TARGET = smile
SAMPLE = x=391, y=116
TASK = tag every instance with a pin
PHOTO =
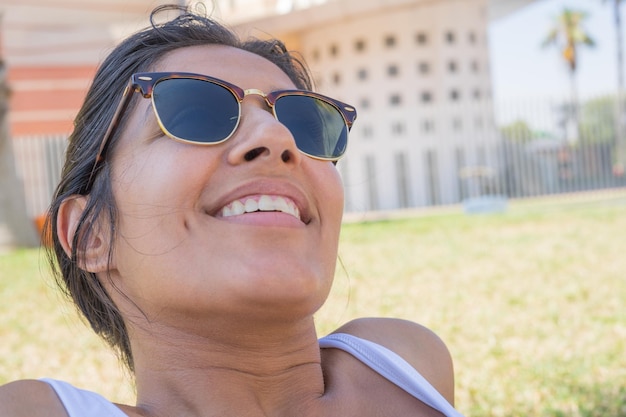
x=263, y=203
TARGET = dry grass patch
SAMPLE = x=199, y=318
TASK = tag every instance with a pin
x=530, y=302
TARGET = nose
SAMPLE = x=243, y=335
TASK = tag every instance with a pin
x=261, y=137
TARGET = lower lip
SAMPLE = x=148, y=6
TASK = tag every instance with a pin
x=266, y=219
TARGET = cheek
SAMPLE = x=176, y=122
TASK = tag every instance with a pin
x=162, y=173
x=332, y=194
x=154, y=188
x=331, y=203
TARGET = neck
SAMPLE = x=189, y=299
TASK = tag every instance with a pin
x=269, y=370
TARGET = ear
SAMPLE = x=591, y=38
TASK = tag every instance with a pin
x=94, y=257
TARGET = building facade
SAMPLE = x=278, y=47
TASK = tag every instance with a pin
x=418, y=74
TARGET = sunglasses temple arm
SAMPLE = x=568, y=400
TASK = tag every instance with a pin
x=121, y=108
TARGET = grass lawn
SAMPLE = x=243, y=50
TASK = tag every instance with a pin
x=531, y=303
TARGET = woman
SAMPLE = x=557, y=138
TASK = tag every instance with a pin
x=196, y=228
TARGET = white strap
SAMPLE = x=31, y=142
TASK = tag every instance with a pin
x=392, y=367
x=81, y=403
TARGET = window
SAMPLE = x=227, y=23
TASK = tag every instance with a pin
x=402, y=176
x=364, y=103
x=395, y=100
x=397, y=128
x=423, y=67
x=481, y=155
x=392, y=70
x=450, y=38
x=455, y=95
x=362, y=74
x=474, y=66
x=426, y=97
x=334, y=50
x=428, y=126
x=431, y=176
x=452, y=66
x=359, y=45
x=476, y=94
x=337, y=78
x=390, y=41
x=316, y=54
x=459, y=157
x=472, y=38
x=370, y=169
x=421, y=38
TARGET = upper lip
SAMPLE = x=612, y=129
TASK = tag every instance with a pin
x=269, y=187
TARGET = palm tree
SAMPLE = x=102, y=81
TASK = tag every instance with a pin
x=568, y=34
x=15, y=227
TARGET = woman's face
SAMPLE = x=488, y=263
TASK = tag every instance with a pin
x=178, y=250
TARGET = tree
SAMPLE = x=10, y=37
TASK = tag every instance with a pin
x=597, y=120
x=16, y=229
x=568, y=34
x=517, y=131
x=620, y=129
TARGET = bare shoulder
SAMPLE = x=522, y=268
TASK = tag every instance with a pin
x=29, y=398
x=416, y=344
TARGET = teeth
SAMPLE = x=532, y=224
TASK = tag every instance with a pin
x=237, y=208
x=251, y=206
x=264, y=203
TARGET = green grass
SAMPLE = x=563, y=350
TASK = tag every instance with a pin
x=531, y=303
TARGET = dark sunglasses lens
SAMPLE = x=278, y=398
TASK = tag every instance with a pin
x=196, y=110
x=317, y=126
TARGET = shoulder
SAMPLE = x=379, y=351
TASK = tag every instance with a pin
x=416, y=344
x=29, y=398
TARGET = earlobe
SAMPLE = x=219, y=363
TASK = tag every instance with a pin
x=93, y=256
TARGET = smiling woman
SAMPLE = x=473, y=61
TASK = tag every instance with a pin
x=196, y=228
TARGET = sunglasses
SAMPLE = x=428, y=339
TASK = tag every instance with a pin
x=203, y=110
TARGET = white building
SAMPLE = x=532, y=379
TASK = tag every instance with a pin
x=417, y=72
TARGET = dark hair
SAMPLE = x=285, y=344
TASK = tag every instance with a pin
x=140, y=52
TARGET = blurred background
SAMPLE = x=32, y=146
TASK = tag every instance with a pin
x=490, y=141
x=460, y=101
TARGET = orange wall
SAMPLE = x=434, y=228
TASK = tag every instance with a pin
x=45, y=100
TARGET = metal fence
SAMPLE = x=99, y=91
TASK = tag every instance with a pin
x=38, y=161
x=553, y=146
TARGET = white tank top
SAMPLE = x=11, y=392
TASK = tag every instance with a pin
x=81, y=403
x=392, y=367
